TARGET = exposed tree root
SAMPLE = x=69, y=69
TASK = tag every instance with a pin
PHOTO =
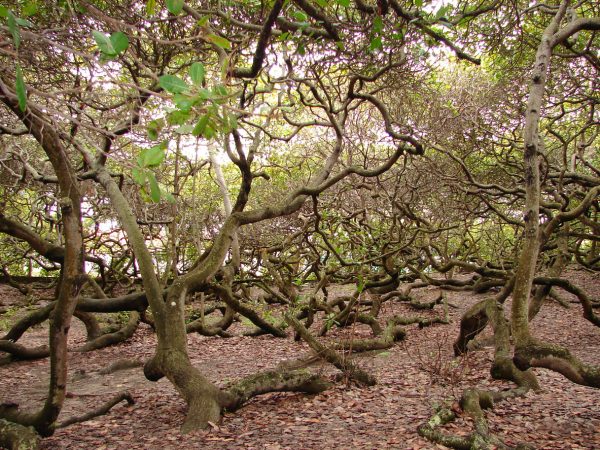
x=217, y=328
x=121, y=364
x=476, y=318
x=430, y=431
x=114, y=338
x=31, y=319
x=18, y=351
x=392, y=333
x=197, y=326
x=586, y=302
x=474, y=401
x=330, y=355
x=558, y=359
x=17, y=437
x=92, y=327
x=105, y=408
x=274, y=381
x=421, y=321
x=414, y=303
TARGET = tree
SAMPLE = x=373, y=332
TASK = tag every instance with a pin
x=311, y=119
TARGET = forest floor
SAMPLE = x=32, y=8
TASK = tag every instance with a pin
x=413, y=377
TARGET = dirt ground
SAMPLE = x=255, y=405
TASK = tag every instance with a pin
x=413, y=377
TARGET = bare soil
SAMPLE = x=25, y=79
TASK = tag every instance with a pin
x=413, y=377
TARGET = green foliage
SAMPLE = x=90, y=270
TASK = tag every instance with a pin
x=151, y=7
x=20, y=89
x=14, y=23
x=153, y=156
x=330, y=321
x=376, y=44
x=150, y=158
x=153, y=128
x=14, y=29
x=172, y=84
x=197, y=73
x=113, y=45
x=219, y=41
x=174, y=6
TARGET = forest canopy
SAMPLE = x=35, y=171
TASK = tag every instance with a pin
x=254, y=154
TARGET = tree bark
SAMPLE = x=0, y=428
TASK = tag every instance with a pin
x=72, y=271
x=531, y=245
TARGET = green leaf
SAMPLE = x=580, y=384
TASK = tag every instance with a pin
x=3, y=11
x=300, y=16
x=201, y=125
x=151, y=7
x=418, y=3
x=377, y=24
x=209, y=131
x=219, y=41
x=153, y=156
x=174, y=6
x=197, y=73
x=104, y=43
x=23, y=22
x=168, y=196
x=138, y=175
x=183, y=102
x=376, y=44
x=14, y=29
x=154, y=189
x=233, y=121
x=221, y=90
x=152, y=133
x=442, y=11
x=202, y=21
x=153, y=128
x=29, y=9
x=178, y=117
x=172, y=84
x=119, y=41
x=344, y=3
x=224, y=124
x=186, y=128
x=205, y=94
x=360, y=286
x=321, y=3
x=21, y=89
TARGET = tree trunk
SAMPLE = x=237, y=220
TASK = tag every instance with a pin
x=72, y=271
x=531, y=245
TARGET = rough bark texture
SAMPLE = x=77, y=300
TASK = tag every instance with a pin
x=531, y=245
x=106, y=407
x=17, y=437
x=72, y=268
x=274, y=381
x=330, y=355
x=19, y=351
